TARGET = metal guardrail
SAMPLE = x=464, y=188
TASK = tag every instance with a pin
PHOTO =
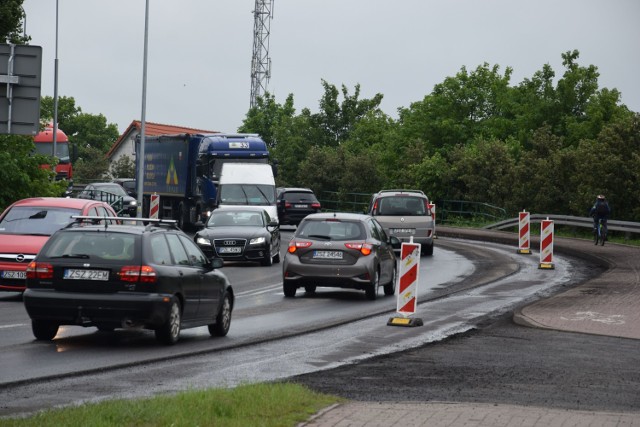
x=575, y=221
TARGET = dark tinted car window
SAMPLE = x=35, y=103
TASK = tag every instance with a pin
x=177, y=250
x=195, y=254
x=298, y=196
x=160, y=250
x=104, y=245
x=373, y=230
x=401, y=205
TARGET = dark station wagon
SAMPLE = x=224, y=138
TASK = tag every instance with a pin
x=122, y=276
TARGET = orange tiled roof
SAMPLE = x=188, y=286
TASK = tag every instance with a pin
x=154, y=129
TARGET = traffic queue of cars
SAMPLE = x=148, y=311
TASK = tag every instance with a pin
x=79, y=263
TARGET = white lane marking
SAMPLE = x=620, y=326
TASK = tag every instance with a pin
x=267, y=289
x=17, y=325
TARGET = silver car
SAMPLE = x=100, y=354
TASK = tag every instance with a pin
x=405, y=214
x=340, y=250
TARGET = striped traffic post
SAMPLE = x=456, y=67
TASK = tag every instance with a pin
x=524, y=240
x=154, y=206
x=408, y=286
x=546, y=244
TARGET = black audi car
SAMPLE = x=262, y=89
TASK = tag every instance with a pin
x=241, y=233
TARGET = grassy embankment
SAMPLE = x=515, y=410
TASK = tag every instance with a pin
x=279, y=404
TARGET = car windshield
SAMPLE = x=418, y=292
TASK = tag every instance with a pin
x=331, y=230
x=36, y=220
x=235, y=218
x=91, y=245
x=402, y=205
x=112, y=188
x=247, y=194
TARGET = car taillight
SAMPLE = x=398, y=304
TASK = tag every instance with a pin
x=287, y=205
x=315, y=205
x=364, y=248
x=295, y=244
x=375, y=207
x=136, y=273
x=39, y=270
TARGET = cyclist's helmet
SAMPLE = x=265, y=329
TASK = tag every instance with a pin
x=601, y=196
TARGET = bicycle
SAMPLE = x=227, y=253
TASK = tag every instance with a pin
x=599, y=234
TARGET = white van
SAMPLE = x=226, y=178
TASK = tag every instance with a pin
x=250, y=184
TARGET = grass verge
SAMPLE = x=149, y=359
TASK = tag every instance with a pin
x=269, y=404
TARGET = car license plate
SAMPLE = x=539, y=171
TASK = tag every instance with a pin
x=75, y=274
x=231, y=250
x=403, y=230
x=301, y=206
x=22, y=275
x=327, y=254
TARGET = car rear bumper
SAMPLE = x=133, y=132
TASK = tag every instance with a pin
x=123, y=309
x=356, y=276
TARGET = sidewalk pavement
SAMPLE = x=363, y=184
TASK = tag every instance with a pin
x=608, y=304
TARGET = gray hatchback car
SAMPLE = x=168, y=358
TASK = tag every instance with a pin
x=405, y=214
x=342, y=250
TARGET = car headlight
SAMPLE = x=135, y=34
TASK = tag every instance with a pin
x=257, y=241
x=202, y=241
x=133, y=203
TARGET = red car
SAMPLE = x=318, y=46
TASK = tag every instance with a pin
x=26, y=225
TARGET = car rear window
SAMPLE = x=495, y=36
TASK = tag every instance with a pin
x=332, y=229
x=104, y=246
x=401, y=205
x=299, y=196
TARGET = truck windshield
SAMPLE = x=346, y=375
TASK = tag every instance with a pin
x=247, y=194
x=46, y=149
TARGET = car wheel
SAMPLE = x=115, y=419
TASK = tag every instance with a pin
x=169, y=332
x=390, y=288
x=268, y=260
x=428, y=250
x=223, y=319
x=44, y=331
x=310, y=289
x=276, y=259
x=289, y=290
x=372, y=290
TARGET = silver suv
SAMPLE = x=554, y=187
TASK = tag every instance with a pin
x=405, y=214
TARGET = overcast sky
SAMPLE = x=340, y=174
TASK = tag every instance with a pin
x=200, y=50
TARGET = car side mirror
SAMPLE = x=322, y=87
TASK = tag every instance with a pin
x=273, y=223
x=395, y=242
x=217, y=262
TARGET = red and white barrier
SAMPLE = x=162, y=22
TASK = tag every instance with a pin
x=546, y=244
x=524, y=241
x=408, y=286
x=154, y=206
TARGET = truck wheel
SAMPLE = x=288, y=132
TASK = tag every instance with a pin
x=181, y=221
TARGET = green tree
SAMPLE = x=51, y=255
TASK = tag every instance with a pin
x=333, y=124
x=21, y=174
x=92, y=166
x=12, y=21
x=124, y=167
x=89, y=135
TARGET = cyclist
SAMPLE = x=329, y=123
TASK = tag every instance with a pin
x=600, y=211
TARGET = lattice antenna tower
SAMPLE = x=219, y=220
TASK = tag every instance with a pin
x=260, y=62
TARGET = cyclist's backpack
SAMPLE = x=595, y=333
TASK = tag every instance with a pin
x=601, y=208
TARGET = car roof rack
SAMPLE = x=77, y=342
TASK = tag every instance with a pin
x=94, y=219
x=400, y=190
